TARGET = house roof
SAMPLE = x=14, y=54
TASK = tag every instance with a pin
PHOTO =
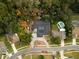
x=12, y=37
x=42, y=27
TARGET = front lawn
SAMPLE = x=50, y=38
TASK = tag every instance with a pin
x=38, y=57
x=75, y=54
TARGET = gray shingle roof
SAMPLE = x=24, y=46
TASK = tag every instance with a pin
x=43, y=28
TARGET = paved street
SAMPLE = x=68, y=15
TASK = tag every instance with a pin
x=28, y=51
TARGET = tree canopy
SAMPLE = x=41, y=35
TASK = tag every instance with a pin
x=12, y=12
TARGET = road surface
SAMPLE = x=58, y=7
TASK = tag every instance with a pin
x=28, y=51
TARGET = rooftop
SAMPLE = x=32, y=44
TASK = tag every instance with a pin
x=13, y=38
x=42, y=27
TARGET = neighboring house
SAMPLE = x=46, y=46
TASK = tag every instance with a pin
x=75, y=30
x=42, y=27
x=3, y=48
x=13, y=38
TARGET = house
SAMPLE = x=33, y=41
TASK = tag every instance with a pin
x=13, y=38
x=43, y=27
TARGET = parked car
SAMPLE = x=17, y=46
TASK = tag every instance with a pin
x=44, y=52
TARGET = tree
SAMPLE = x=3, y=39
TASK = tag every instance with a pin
x=41, y=57
x=54, y=40
x=3, y=13
x=25, y=38
x=3, y=9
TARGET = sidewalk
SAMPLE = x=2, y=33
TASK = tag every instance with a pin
x=15, y=50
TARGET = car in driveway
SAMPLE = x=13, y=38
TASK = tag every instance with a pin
x=44, y=51
x=69, y=58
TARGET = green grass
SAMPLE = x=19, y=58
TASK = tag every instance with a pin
x=19, y=45
x=3, y=39
x=47, y=57
x=26, y=57
x=75, y=55
x=29, y=57
x=38, y=57
x=54, y=27
x=0, y=55
x=75, y=17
